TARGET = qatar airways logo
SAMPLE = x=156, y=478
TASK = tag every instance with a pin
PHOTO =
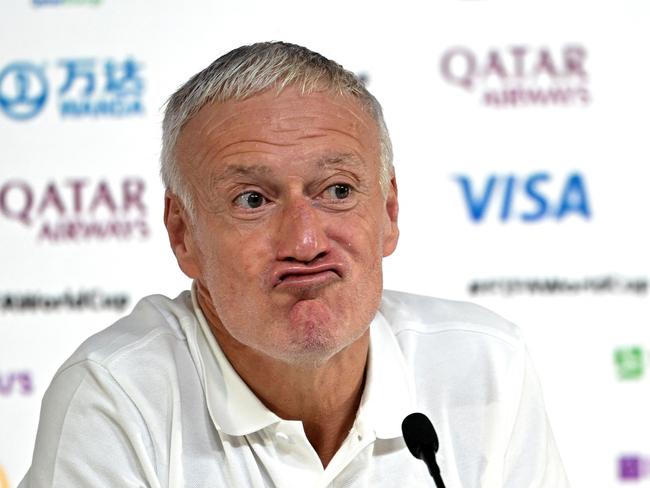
x=77, y=209
x=520, y=76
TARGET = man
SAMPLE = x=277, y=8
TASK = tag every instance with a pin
x=287, y=365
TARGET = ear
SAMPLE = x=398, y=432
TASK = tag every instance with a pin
x=181, y=239
x=391, y=231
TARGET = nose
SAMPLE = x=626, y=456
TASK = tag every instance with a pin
x=301, y=233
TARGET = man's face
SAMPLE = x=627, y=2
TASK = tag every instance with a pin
x=290, y=223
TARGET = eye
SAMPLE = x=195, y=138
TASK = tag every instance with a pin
x=250, y=200
x=339, y=191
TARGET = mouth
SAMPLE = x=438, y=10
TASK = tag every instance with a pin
x=306, y=276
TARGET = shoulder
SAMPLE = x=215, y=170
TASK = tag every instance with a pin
x=126, y=374
x=109, y=404
x=458, y=354
x=155, y=323
x=409, y=314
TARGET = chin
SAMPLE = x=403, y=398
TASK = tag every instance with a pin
x=317, y=347
x=312, y=356
x=307, y=359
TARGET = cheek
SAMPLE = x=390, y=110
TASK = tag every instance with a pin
x=360, y=233
x=232, y=260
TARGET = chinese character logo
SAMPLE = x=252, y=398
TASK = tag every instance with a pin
x=23, y=90
x=629, y=362
x=90, y=88
x=118, y=95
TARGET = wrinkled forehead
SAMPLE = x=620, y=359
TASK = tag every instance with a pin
x=276, y=119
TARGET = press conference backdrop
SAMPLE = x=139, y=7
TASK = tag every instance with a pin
x=521, y=148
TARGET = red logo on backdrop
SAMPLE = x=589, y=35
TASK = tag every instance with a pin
x=77, y=209
x=520, y=76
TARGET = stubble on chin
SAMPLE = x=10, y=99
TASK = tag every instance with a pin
x=317, y=334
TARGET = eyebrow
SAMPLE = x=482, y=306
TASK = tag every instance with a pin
x=243, y=170
x=338, y=160
x=324, y=162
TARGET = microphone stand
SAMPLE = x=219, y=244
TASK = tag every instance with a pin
x=429, y=458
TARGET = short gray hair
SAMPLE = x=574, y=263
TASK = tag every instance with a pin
x=250, y=70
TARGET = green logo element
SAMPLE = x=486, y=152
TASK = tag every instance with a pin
x=629, y=362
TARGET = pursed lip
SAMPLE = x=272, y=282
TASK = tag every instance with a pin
x=306, y=275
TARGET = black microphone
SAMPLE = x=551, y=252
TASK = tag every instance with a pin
x=422, y=441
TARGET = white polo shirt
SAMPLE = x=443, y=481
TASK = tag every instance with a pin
x=152, y=402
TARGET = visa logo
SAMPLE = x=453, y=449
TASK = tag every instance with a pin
x=532, y=198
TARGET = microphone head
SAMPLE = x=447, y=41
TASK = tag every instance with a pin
x=419, y=434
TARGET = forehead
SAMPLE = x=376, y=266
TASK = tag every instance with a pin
x=270, y=127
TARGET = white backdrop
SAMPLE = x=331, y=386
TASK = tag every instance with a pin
x=521, y=149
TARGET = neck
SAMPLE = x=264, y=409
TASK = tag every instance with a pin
x=325, y=397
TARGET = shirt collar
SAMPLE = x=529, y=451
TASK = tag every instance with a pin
x=389, y=393
x=387, y=398
x=234, y=408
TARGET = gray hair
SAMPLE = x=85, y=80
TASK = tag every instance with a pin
x=250, y=70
